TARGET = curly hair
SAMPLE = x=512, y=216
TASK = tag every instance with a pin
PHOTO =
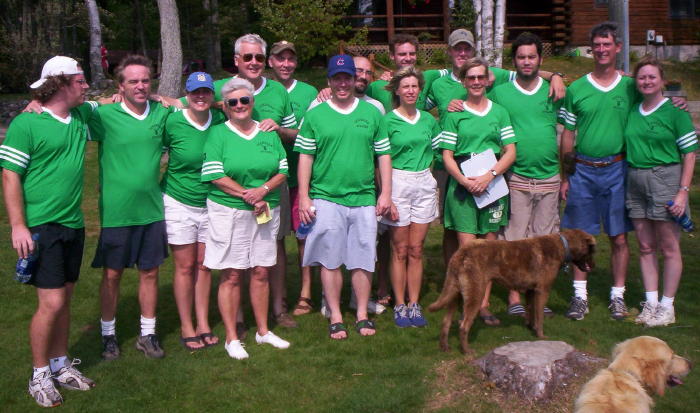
x=393, y=85
x=51, y=86
x=132, y=59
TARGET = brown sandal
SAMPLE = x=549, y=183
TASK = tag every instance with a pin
x=304, y=306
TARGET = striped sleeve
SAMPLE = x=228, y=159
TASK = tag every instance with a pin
x=288, y=120
x=306, y=138
x=507, y=132
x=16, y=149
x=283, y=166
x=213, y=167
x=448, y=137
x=14, y=159
x=566, y=115
x=687, y=140
x=382, y=146
x=437, y=135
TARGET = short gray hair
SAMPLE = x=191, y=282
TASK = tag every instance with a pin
x=237, y=83
x=250, y=38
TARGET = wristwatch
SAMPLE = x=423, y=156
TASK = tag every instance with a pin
x=494, y=173
x=560, y=74
x=685, y=188
x=267, y=188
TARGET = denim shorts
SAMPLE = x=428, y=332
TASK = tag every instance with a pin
x=597, y=195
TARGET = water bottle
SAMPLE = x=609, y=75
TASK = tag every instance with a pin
x=683, y=220
x=26, y=266
x=304, y=229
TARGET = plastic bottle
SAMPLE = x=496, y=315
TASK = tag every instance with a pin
x=304, y=229
x=26, y=266
x=683, y=220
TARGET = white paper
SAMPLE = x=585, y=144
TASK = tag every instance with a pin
x=478, y=165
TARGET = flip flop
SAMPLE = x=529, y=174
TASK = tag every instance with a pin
x=209, y=335
x=366, y=323
x=384, y=300
x=337, y=328
x=490, y=320
x=195, y=339
x=304, y=306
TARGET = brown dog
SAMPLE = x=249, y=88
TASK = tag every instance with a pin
x=638, y=363
x=528, y=265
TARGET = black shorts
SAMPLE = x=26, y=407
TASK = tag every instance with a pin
x=145, y=246
x=60, y=255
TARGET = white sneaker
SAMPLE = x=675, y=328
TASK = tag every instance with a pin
x=647, y=313
x=373, y=307
x=235, y=350
x=271, y=339
x=43, y=390
x=663, y=316
x=71, y=378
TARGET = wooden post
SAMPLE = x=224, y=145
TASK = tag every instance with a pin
x=390, y=19
x=445, y=20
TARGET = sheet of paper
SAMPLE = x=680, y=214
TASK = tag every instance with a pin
x=478, y=165
x=266, y=216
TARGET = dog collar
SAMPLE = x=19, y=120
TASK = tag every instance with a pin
x=567, y=252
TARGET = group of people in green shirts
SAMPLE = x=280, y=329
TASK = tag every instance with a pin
x=250, y=159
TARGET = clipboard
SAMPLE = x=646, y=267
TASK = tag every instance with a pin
x=480, y=164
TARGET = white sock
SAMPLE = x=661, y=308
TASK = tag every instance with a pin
x=667, y=302
x=617, y=292
x=148, y=326
x=109, y=328
x=57, y=363
x=40, y=370
x=580, y=289
x=652, y=297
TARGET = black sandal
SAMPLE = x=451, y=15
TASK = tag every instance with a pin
x=195, y=339
x=337, y=328
x=366, y=323
x=205, y=336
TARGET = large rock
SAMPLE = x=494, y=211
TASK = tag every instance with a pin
x=535, y=370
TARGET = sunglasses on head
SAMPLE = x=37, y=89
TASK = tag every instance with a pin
x=245, y=100
x=472, y=78
x=249, y=56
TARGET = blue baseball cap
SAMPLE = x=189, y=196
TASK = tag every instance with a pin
x=197, y=80
x=341, y=63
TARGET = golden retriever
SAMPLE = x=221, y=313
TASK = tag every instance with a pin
x=638, y=364
x=528, y=265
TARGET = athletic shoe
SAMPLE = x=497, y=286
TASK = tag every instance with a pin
x=663, y=316
x=578, y=308
x=271, y=339
x=401, y=316
x=110, y=347
x=71, y=378
x=415, y=315
x=43, y=390
x=548, y=312
x=618, y=309
x=373, y=307
x=647, y=313
x=286, y=321
x=516, y=310
x=150, y=346
x=235, y=350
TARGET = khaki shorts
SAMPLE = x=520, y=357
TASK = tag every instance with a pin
x=236, y=240
x=184, y=223
x=649, y=190
x=415, y=196
x=534, y=207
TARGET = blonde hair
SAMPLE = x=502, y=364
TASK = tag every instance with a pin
x=393, y=85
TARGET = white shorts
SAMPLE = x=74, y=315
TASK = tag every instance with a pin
x=415, y=196
x=342, y=235
x=236, y=240
x=185, y=224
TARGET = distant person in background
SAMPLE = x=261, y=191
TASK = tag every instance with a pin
x=661, y=142
x=42, y=161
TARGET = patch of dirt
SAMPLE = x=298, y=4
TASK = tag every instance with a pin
x=460, y=386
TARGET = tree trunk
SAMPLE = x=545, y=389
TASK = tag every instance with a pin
x=478, y=33
x=171, y=67
x=95, y=42
x=487, y=30
x=213, y=37
x=499, y=32
x=138, y=14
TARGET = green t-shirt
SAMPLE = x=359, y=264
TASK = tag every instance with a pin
x=660, y=136
x=250, y=160
x=271, y=102
x=130, y=148
x=300, y=97
x=185, y=140
x=376, y=90
x=343, y=143
x=413, y=141
x=471, y=132
x=47, y=152
x=599, y=113
x=534, y=118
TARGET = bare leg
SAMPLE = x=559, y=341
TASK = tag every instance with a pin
x=332, y=281
x=362, y=285
x=277, y=280
x=619, y=259
x=148, y=291
x=202, y=290
x=668, y=234
x=51, y=304
x=184, y=257
x=259, y=296
x=648, y=263
x=399, y=260
x=415, y=260
x=305, y=272
x=59, y=339
x=229, y=297
x=109, y=293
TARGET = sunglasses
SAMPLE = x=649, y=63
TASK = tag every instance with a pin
x=249, y=56
x=245, y=100
x=363, y=71
x=472, y=78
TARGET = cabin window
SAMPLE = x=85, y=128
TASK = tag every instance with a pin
x=601, y=3
x=683, y=9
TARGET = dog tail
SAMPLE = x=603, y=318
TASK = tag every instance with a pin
x=450, y=291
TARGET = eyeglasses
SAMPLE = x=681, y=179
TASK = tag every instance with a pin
x=472, y=78
x=361, y=71
x=245, y=100
x=259, y=57
x=81, y=81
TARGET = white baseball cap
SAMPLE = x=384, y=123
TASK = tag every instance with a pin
x=57, y=65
